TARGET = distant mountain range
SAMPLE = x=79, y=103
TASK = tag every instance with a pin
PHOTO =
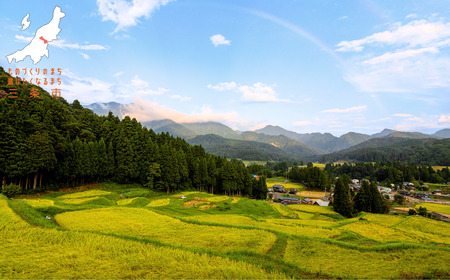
x=277, y=143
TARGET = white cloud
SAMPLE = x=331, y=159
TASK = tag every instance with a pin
x=259, y=92
x=425, y=122
x=144, y=110
x=399, y=55
x=85, y=89
x=159, y=91
x=408, y=116
x=118, y=74
x=85, y=56
x=343, y=17
x=138, y=82
x=301, y=123
x=126, y=13
x=405, y=58
x=218, y=40
x=402, y=115
x=415, y=119
x=418, y=33
x=224, y=86
x=21, y=38
x=411, y=16
x=181, y=98
x=444, y=119
x=347, y=110
x=60, y=43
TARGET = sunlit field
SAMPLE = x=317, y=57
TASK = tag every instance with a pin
x=129, y=232
x=440, y=208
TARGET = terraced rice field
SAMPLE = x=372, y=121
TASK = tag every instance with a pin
x=104, y=233
x=440, y=208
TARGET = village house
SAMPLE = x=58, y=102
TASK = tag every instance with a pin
x=320, y=202
x=289, y=200
x=438, y=192
x=307, y=201
x=278, y=188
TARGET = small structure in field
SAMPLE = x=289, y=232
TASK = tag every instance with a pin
x=292, y=191
x=320, y=202
x=289, y=200
x=307, y=201
x=438, y=192
x=278, y=188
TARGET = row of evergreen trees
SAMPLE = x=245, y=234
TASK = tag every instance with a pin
x=368, y=198
x=395, y=172
x=49, y=143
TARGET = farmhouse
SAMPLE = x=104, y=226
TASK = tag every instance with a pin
x=308, y=201
x=278, y=188
x=320, y=202
x=384, y=189
x=289, y=200
x=421, y=195
x=292, y=191
x=438, y=192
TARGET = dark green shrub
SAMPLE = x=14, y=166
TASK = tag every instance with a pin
x=12, y=190
x=422, y=211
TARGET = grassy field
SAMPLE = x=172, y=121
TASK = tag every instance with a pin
x=437, y=167
x=123, y=231
x=281, y=181
x=435, y=207
x=315, y=164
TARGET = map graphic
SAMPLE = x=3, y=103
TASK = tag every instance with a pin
x=38, y=47
x=25, y=22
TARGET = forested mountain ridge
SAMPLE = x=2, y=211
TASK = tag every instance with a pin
x=173, y=128
x=414, y=151
x=300, y=146
x=285, y=143
x=245, y=150
x=204, y=128
x=46, y=142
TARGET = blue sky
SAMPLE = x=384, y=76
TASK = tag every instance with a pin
x=308, y=66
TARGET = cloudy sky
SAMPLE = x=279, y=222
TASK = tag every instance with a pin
x=308, y=66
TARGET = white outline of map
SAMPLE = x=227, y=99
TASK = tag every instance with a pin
x=37, y=48
x=25, y=22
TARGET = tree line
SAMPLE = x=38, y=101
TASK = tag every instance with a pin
x=367, y=199
x=47, y=143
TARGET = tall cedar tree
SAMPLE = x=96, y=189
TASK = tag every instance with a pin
x=342, y=203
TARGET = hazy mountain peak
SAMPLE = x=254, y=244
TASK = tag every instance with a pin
x=383, y=133
x=444, y=133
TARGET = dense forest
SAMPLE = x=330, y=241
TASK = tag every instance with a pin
x=47, y=143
